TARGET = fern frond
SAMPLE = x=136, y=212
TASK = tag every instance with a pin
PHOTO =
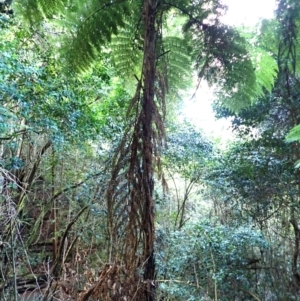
x=127, y=49
x=239, y=88
x=34, y=11
x=91, y=25
x=173, y=60
x=174, y=63
x=262, y=52
x=266, y=70
x=222, y=59
x=294, y=134
x=94, y=24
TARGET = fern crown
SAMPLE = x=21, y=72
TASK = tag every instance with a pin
x=218, y=52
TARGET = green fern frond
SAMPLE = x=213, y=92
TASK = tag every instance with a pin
x=34, y=11
x=127, y=50
x=294, y=134
x=94, y=25
x=174, y=62
x=266, y=70
x=91, y=25
x=263, y=58
x=239, y=88
x=197, y=10
x=223, y=59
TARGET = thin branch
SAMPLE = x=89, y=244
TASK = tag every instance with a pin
x=76, y=185
x=64, y=238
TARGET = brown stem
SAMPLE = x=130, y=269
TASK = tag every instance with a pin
x=295, y=225
x=148, y=105
x=183, y=206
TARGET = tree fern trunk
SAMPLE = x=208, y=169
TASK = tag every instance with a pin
x=149, y=64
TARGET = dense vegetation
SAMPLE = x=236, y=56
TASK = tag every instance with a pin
x=106, y=194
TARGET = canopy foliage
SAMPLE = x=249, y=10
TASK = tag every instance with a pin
x=106, y=193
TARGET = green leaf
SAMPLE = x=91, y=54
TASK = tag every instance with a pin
x=297, y=164
x=294, y=134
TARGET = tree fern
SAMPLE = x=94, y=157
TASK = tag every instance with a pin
x=173, y=60
x=132, y=31
x=94, y=24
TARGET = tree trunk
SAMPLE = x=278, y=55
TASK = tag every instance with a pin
x=148, y=104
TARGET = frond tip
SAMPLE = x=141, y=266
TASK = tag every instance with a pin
x=34, y=11
x=294, y=134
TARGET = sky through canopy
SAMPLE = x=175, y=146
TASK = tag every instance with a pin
x=198, y=110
